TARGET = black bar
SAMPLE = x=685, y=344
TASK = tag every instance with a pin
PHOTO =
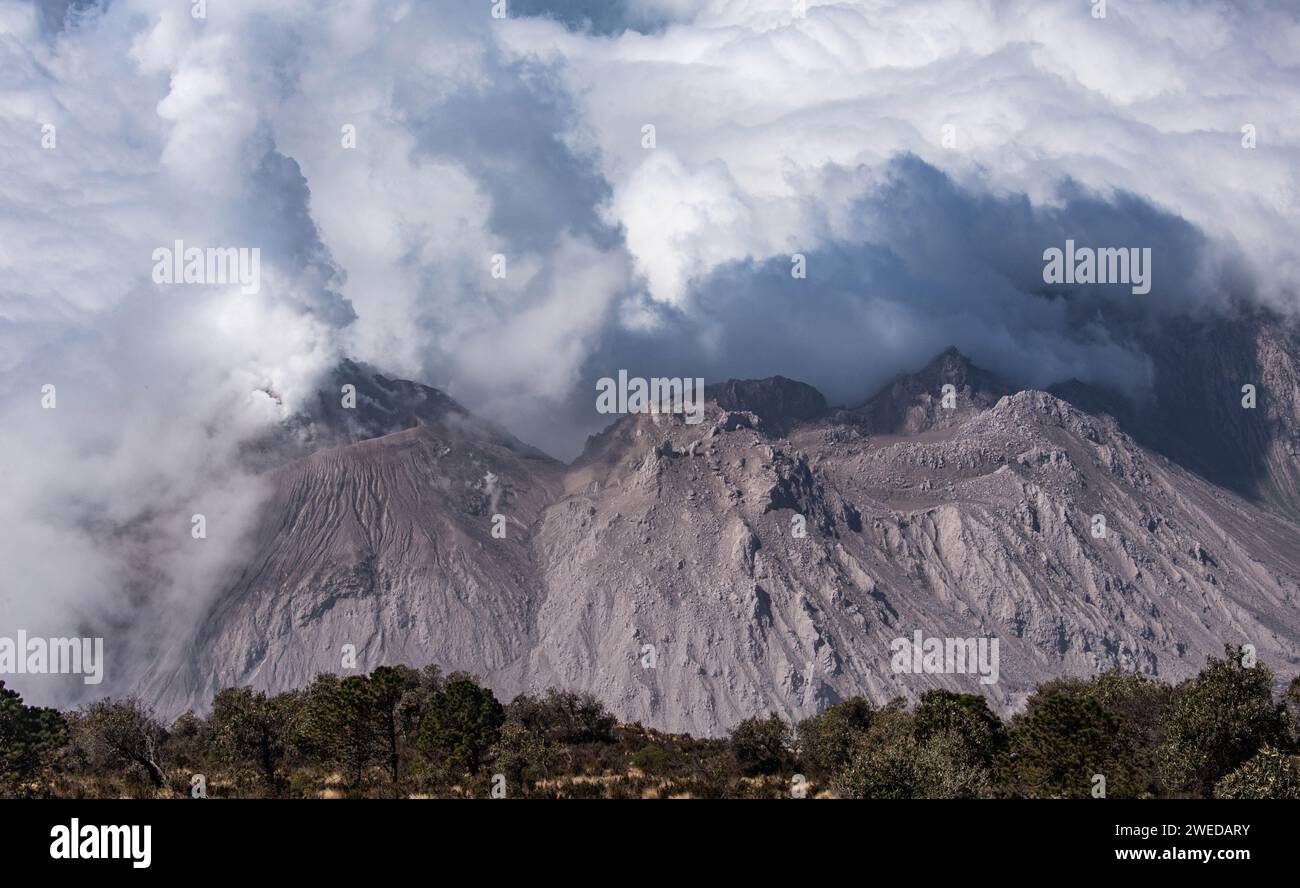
x=333, y=840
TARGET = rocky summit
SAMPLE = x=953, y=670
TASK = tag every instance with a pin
x=770, y=558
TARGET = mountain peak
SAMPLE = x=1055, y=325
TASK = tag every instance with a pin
x=356, y=403
x=913, y=402
x=951, y=366
x=779, y=402
x=377, y=405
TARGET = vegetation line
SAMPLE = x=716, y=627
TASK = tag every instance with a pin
x=401, y=732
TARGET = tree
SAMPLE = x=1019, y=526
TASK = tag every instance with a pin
x=965, y=716
x=337, y=725
x=247, y=726
x=1072, y=730
x=400, y=696
x=1139, y=706
x=1218, y=721
x=522, y=756
x=359, y=741
x=123, y=734
x=421, y=686
x=541, y=731
x=462, y=723
x=651, y=758
x=883, y=766
x=563, y=717
x=28, y=737
x=827, y=741
x=363, y=721
x=1271, y=774
x=893, y=762
x=1062, y=739
x=1291, y=702
x=189, y=742
x=762, y=746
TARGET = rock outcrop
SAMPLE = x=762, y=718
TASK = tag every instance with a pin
x=765, y=560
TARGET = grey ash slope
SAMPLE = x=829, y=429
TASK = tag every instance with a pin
x=963, y=522
x=380, y=540
x=979, y=527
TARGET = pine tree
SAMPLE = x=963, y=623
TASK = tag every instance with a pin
x=28, y=737
x=463, y=722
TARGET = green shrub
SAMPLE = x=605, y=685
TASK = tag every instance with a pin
x=1271, y=774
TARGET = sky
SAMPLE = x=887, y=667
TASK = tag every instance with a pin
x=919, y=154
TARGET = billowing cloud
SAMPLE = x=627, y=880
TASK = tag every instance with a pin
x=750, y=105
x=923, y=155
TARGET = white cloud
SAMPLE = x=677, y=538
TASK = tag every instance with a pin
x=1150, y=100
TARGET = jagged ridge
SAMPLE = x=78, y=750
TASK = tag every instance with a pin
x=676, y=541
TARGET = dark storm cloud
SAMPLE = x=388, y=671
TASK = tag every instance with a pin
x=508, y=136
x=55, y=15
x=603, y=17
x=934, y=264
